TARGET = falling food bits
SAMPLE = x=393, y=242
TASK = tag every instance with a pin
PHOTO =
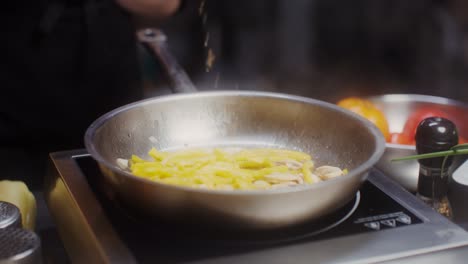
x=207, y=39
x=201, y=9
x=210, y=59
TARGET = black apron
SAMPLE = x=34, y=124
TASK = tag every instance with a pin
x=65, y=63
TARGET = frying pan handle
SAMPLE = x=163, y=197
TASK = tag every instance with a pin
x=156, y=42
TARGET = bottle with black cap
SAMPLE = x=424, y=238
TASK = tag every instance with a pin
x=435, y=134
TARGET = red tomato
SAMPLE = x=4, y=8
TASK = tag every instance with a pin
x=409, y=130
x=416, y=117
x=462, y=140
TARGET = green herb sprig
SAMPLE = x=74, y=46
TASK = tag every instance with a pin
x=460, y=149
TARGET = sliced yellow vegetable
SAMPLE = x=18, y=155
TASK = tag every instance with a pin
x=221, y=168
x=156, y=155
x=136, y=159
x=306, y=171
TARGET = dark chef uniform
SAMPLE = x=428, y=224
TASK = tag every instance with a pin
x=64, y=63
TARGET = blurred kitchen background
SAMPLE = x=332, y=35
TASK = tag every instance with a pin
x=325, y=49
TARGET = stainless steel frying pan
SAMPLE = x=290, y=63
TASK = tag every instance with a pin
x=333, y=136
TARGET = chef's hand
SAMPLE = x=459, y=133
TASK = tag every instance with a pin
x=151, y=9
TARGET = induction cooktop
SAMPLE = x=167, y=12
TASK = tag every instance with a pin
x=382, y=223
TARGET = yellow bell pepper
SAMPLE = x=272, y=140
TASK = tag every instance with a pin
x=368, y=110
x=17, y=193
